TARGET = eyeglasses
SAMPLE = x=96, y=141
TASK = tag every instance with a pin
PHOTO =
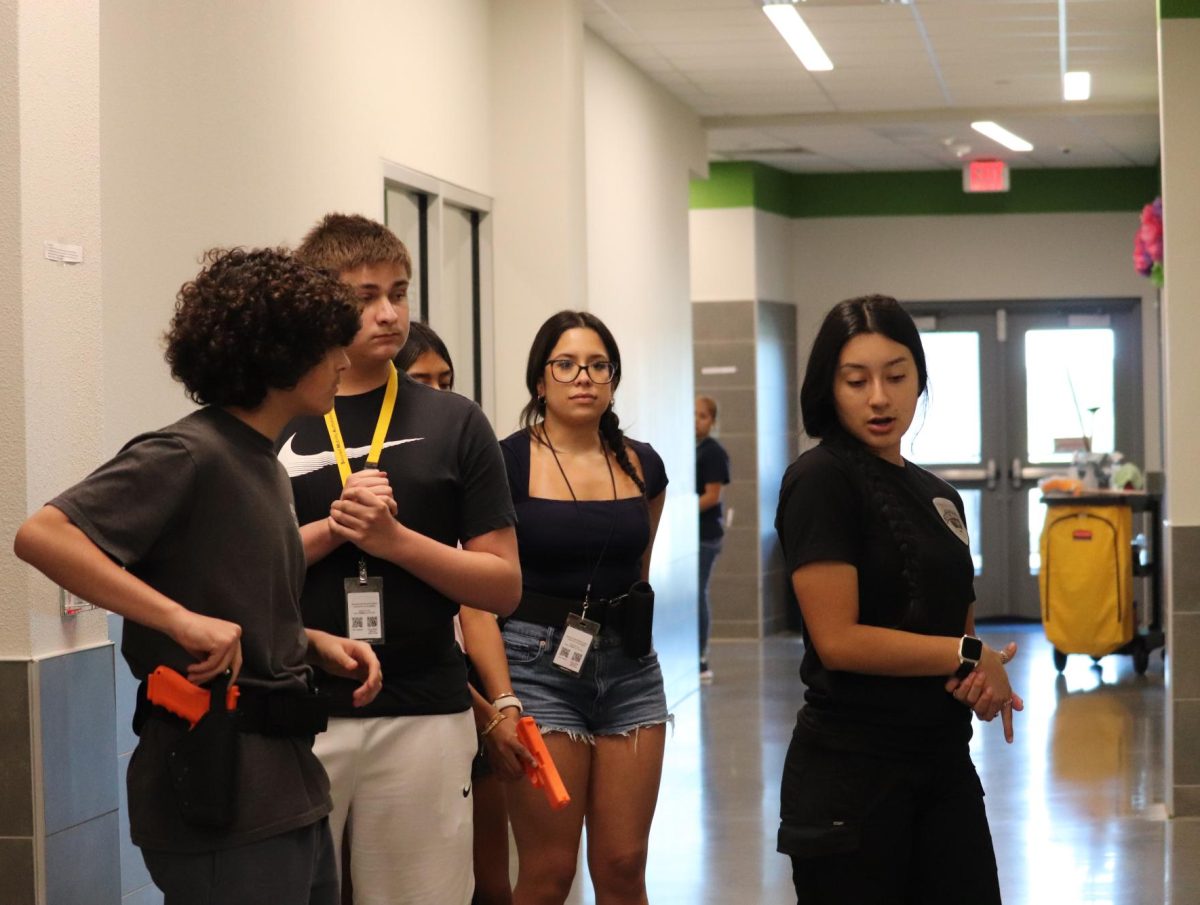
x=563, y=370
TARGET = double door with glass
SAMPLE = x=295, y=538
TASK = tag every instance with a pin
x=1014, y=391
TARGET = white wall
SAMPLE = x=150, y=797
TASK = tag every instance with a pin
x=232, y=123
x=1180, y=116
x=723, y=255
x=642, y=148
x=50, y=189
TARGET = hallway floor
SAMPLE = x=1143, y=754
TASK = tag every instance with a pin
x=1075, y=803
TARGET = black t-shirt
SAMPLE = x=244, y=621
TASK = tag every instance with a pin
x=202, y=511
x=563, y=543
x=712, y=467
x=830, y=510
x=447, y=475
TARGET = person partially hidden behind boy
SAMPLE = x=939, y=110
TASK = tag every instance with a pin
x=190, y=534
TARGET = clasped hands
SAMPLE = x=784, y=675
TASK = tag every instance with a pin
x=365, y=513
x=987, y=691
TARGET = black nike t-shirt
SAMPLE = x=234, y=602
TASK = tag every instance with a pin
x=830, y=510
x=447, y=474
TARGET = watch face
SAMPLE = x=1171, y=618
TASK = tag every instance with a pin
x=970, y=648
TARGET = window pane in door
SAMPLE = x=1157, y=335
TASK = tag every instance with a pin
x=452, y=315
x=403, y=214
x=1068, y=390
x=947, y=427
x=972, y=501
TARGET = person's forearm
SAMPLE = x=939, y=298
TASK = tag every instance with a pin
x=879, y=651
x=474, y=578
x=53, y=545
x=485, y=647
x=318, y=541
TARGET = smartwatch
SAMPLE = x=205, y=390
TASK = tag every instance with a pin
x=970, y=652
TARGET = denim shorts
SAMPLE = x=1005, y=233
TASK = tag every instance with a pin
x=613, y=695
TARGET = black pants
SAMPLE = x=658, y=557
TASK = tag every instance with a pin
x=877, y=830
x=293, y=868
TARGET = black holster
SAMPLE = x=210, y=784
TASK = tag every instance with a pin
x=203, y=765
x=637, y=620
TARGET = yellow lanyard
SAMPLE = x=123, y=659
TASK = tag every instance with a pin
x=381, y=428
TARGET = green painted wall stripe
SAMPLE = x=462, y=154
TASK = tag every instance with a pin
x=900, y=194
x=1179, y=9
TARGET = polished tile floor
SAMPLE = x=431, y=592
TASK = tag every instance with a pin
x=1075, y=803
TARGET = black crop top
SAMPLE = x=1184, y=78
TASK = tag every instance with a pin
x=560, y=540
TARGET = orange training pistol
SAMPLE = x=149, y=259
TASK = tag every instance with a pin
x=545, y=775
x=171, y=691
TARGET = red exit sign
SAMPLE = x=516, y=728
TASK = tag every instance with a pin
x=985, y=176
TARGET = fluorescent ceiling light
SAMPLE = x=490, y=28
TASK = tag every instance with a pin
x=802, y=41
x=1077, y=86
x=999, y=134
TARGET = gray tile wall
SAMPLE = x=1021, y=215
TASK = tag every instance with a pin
x=756, y=424
x=58, y=790
x=723, y=335
x=1183, y=662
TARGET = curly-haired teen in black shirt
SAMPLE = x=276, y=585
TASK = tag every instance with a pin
x=199, y=515
x=880, y=800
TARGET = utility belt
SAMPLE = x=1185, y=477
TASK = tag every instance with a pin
x=203, y=762
x=280, y=714
x=631, y=615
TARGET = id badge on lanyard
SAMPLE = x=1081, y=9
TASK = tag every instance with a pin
x=364, y=593
x=579, y=634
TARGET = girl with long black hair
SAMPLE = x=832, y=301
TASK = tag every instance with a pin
x=880, y=800
x=588, y=501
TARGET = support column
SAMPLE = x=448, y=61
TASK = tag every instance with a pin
x=540, y=234
x=1179, y=106
x=58, y=771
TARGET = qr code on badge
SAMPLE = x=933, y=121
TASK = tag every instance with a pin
x=356, y=622
x=576, y=656
x=372, y=622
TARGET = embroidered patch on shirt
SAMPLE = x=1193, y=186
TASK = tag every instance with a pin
x=949, y=513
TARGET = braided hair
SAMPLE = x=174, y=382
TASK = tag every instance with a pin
x=866, y=314
x=544, y=342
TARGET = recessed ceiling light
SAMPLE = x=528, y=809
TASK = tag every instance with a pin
x=803, y=42
x=1077, y=86
x=998, y=133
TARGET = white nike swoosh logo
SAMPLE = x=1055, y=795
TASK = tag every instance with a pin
x=297, y=465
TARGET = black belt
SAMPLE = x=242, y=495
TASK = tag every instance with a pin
x=545, y=609
x=631, y=614
x=282, y=714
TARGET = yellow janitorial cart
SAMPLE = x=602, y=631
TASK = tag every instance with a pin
x=1091, y=563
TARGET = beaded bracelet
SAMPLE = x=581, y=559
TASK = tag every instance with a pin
x=496, y=720
x=508, y=699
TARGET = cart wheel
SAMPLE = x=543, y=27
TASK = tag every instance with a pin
x=1141, y=658
x=1060, y=660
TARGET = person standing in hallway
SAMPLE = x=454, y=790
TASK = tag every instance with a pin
x=579, y=645
x=712, y=474
x=189, y=534
x=501, y=756
x=880, y=802
x=405, y=514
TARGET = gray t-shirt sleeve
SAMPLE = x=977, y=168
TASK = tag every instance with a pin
x=125, y=504
x=485, y=504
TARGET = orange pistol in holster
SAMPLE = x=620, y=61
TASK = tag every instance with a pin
x=171, y=691
x=545, y=775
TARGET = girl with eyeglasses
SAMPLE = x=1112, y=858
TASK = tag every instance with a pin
x=588, y=501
